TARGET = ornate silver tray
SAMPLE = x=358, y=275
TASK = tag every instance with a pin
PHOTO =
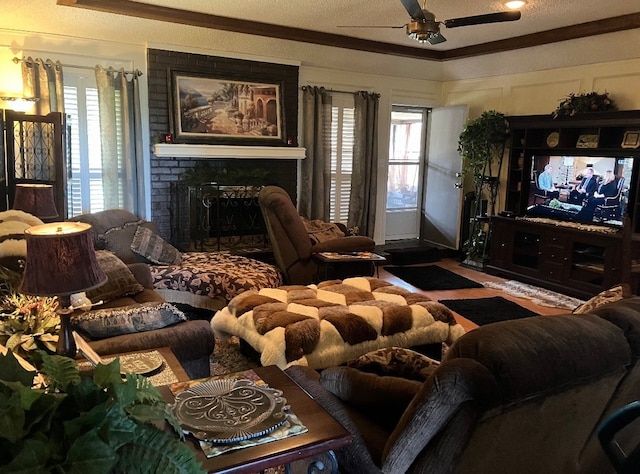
x=227, y=410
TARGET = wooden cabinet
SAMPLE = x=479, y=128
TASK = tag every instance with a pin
x=564, y=259
x=598, y=134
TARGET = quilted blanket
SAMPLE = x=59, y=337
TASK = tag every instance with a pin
x=333, y=322
x=214, y=276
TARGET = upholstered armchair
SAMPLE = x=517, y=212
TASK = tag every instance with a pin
x=520, y=396
x=292, y=247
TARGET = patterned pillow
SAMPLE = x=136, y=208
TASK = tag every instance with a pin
x=397, y=362
x=120, y=280
x=154, y=248
x=607, y=296
x=111, y=322
x=118, y=240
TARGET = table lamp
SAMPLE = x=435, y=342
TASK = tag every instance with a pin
x=61, y=261
x=37, y=200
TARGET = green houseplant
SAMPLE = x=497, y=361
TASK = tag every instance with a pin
x=481, y=145
x=80, y=424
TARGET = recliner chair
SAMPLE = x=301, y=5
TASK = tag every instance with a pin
x=292, y=248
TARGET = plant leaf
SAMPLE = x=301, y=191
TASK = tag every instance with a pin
x=12, y=371
x=90, y=453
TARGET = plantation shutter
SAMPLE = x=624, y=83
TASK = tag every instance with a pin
x=342, y=142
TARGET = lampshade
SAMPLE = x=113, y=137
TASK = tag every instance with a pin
x=36, y=199
x=20, y=104
x=60, y=261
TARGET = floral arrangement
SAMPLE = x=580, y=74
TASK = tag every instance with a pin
x=28, y=323
x=584, y=103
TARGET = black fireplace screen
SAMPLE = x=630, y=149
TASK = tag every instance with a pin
x=210, y=217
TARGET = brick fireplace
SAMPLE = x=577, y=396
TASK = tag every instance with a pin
x=176, y=170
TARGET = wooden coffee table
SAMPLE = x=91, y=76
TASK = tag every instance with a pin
x=324, y=433
x=331, y=260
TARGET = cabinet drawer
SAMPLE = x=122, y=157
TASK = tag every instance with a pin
x=553, y=270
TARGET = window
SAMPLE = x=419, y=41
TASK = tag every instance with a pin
x=84, y=186
x=342, y=142
x=406, y=147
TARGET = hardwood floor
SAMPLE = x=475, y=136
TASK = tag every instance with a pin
x=480, y=277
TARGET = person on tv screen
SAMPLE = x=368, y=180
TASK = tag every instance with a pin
x=545, y=182
x=608, y=188
x=585, y=189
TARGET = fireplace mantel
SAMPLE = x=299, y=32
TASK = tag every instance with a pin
x=182, y=150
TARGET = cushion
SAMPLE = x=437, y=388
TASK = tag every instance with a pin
x=118, y=240
x=111, y=322
x=384, y=397
x=397, y=362
x=607, y=296
x=154, y=248
x=120, y=280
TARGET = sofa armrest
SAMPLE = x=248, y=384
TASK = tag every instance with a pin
x=352, y=243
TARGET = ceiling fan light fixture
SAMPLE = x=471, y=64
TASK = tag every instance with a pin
x=515, y=4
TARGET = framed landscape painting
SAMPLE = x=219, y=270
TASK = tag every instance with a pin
x=210, y=109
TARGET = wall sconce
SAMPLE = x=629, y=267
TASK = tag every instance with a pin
x=20, y=104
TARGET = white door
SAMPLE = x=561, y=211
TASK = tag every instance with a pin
x=442, y=203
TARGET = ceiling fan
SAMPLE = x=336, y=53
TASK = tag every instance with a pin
x=424, y=27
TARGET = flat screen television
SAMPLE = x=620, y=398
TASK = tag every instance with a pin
x=564, y=203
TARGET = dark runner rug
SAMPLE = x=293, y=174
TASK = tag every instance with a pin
x=432, y=277
x=488, y=310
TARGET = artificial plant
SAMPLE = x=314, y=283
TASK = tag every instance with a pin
x=481, y=145
x=79, y=424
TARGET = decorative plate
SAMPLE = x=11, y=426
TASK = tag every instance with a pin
x=228, y=410
x=142, y=364
x=553, y=139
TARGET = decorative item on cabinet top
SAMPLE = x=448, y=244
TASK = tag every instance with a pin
x=587, y=141
x=631, y=139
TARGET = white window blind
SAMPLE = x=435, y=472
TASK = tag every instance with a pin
x=342, y=141
x=84, y=187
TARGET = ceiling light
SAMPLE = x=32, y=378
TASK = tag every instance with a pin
x=515, y=4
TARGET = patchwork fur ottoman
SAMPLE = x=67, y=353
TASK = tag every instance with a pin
x=328, y=324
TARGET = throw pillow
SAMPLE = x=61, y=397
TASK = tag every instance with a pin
x=111, y=322
x=120, y=280
x=397, y=362
x=154, y=248
x=118, y=240
x=607, y=296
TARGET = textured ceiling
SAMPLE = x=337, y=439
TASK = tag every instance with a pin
x=328, y=15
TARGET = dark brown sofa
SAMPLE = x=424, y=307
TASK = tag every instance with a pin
x=523, y=396
x=192, y=342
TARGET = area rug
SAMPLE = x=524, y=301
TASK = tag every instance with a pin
x=228, y=358
x=539, y=296
x=432, y=277
x=488, y=310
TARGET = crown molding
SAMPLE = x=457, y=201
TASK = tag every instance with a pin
x=186, y=17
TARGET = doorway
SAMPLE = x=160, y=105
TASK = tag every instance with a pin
x=405, y=172
x=424, y=187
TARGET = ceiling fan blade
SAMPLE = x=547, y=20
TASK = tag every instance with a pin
x=370, y=26
x=481, y=19
x=437, y=39
x=413, y=9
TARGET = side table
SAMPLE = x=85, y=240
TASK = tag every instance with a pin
x=170, y=372
x=324, y=434
x=339, y=261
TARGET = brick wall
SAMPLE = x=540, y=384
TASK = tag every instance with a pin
x=165, y=171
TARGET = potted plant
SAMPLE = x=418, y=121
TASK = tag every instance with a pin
x=584, y=103
x=102, y=424
x=481, y=145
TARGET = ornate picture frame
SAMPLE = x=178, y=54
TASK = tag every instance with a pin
x=631, y=139
x=213, y=109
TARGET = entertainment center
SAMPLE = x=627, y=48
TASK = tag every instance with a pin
x=544, y=242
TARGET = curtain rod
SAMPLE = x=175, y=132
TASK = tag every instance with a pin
x=136, y=72
x=331, y=90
